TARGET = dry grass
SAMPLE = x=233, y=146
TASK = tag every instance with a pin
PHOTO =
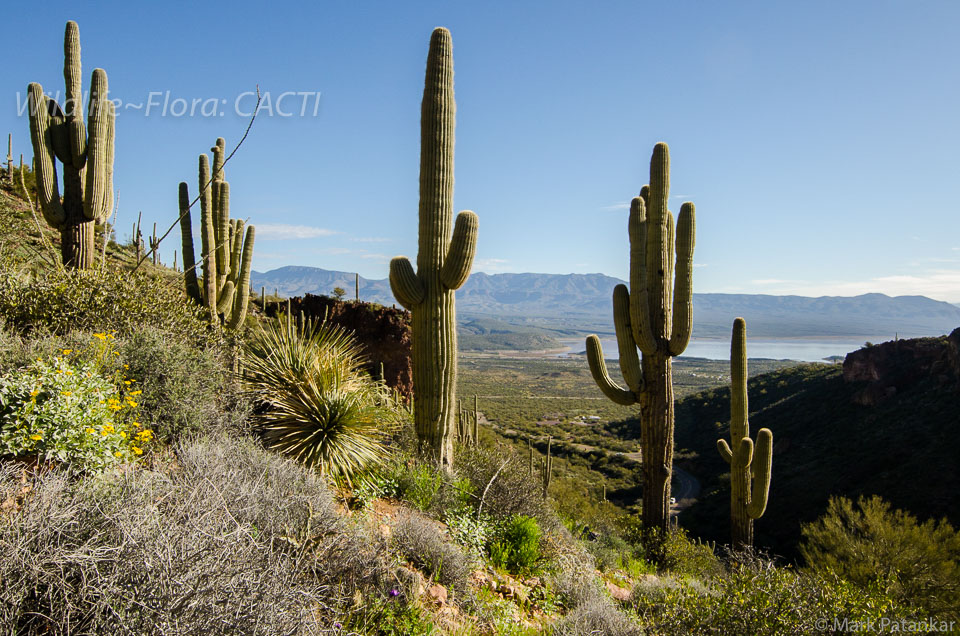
x=230, y=540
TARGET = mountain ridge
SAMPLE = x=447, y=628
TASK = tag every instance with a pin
x=583, y=302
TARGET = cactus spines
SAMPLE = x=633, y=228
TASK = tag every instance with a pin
x=85, y=151
x=443, y=261
x=653, y=315
x=226, y=250
x=750, y=464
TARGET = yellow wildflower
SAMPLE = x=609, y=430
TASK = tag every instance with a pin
x=132, y=404
x=36, y=438
x=119, y=454
x=68, y=393
x=90, y=431
x=138, y=392
x=34, y=393
x=67, y=352
x=136, y=450
x=145, y=435
x=127, y=382
x=100, y=336
x=137, y=424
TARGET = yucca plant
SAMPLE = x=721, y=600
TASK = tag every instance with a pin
x=315, y=401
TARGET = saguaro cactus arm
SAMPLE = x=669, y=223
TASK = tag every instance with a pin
x=186, y=235
x=683, y=280
x=405, y=283
x=598, y=368
x=761, y=472
x=41, y=135
x=98, y=192
x=243, y=281
x=463, y=246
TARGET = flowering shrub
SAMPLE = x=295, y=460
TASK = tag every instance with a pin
x=78, y=407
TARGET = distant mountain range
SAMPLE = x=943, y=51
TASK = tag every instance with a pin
x=583, y=301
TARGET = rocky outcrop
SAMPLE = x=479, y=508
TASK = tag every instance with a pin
x=384, y=333
x=892, y=367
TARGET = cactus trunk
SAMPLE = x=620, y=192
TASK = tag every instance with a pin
x=656, y=438
x=443, y=262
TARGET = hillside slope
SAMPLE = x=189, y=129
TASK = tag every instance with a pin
x=830, y=440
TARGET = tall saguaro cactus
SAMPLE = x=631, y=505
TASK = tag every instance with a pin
x=226, y=254
x=655, y=316
x=750, y=464
x=85, y=151
x=443, y=261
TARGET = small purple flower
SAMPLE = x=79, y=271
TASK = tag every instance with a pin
x=394, y=592
x=337, y=625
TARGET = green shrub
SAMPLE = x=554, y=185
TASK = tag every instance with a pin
x=314, y=401
x=64, y=301
x=77, y=407
x=420, y=485
x=185, y=389
x=872, y=545
x=756, y=597
x=469, y=529
x=517, y=548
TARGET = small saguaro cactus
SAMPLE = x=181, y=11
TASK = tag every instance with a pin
x=85, y=151
x=443, y=262
x=655, y=316
x=750, y=464
x=546, y=468
x=226, y=254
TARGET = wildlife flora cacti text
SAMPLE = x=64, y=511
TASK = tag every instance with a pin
x=84, y=150
x=654, y=315
x=750, y=463
x=226, y=253
x=443, y=261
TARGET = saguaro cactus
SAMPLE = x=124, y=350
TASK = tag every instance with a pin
x=654, y=315
x=226, y=254
x=750, y=464
x=86, y=153
x=443, y=262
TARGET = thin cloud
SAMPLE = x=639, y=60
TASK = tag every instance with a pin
x=379, y=257
x=617, y=206
x=371, y=239
x=775, y=281
x=490, y=264
x=696, y=265
x=284, y=231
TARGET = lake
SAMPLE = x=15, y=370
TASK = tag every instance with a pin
x=802, y=349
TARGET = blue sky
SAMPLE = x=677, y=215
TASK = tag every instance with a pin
x=819, y=140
